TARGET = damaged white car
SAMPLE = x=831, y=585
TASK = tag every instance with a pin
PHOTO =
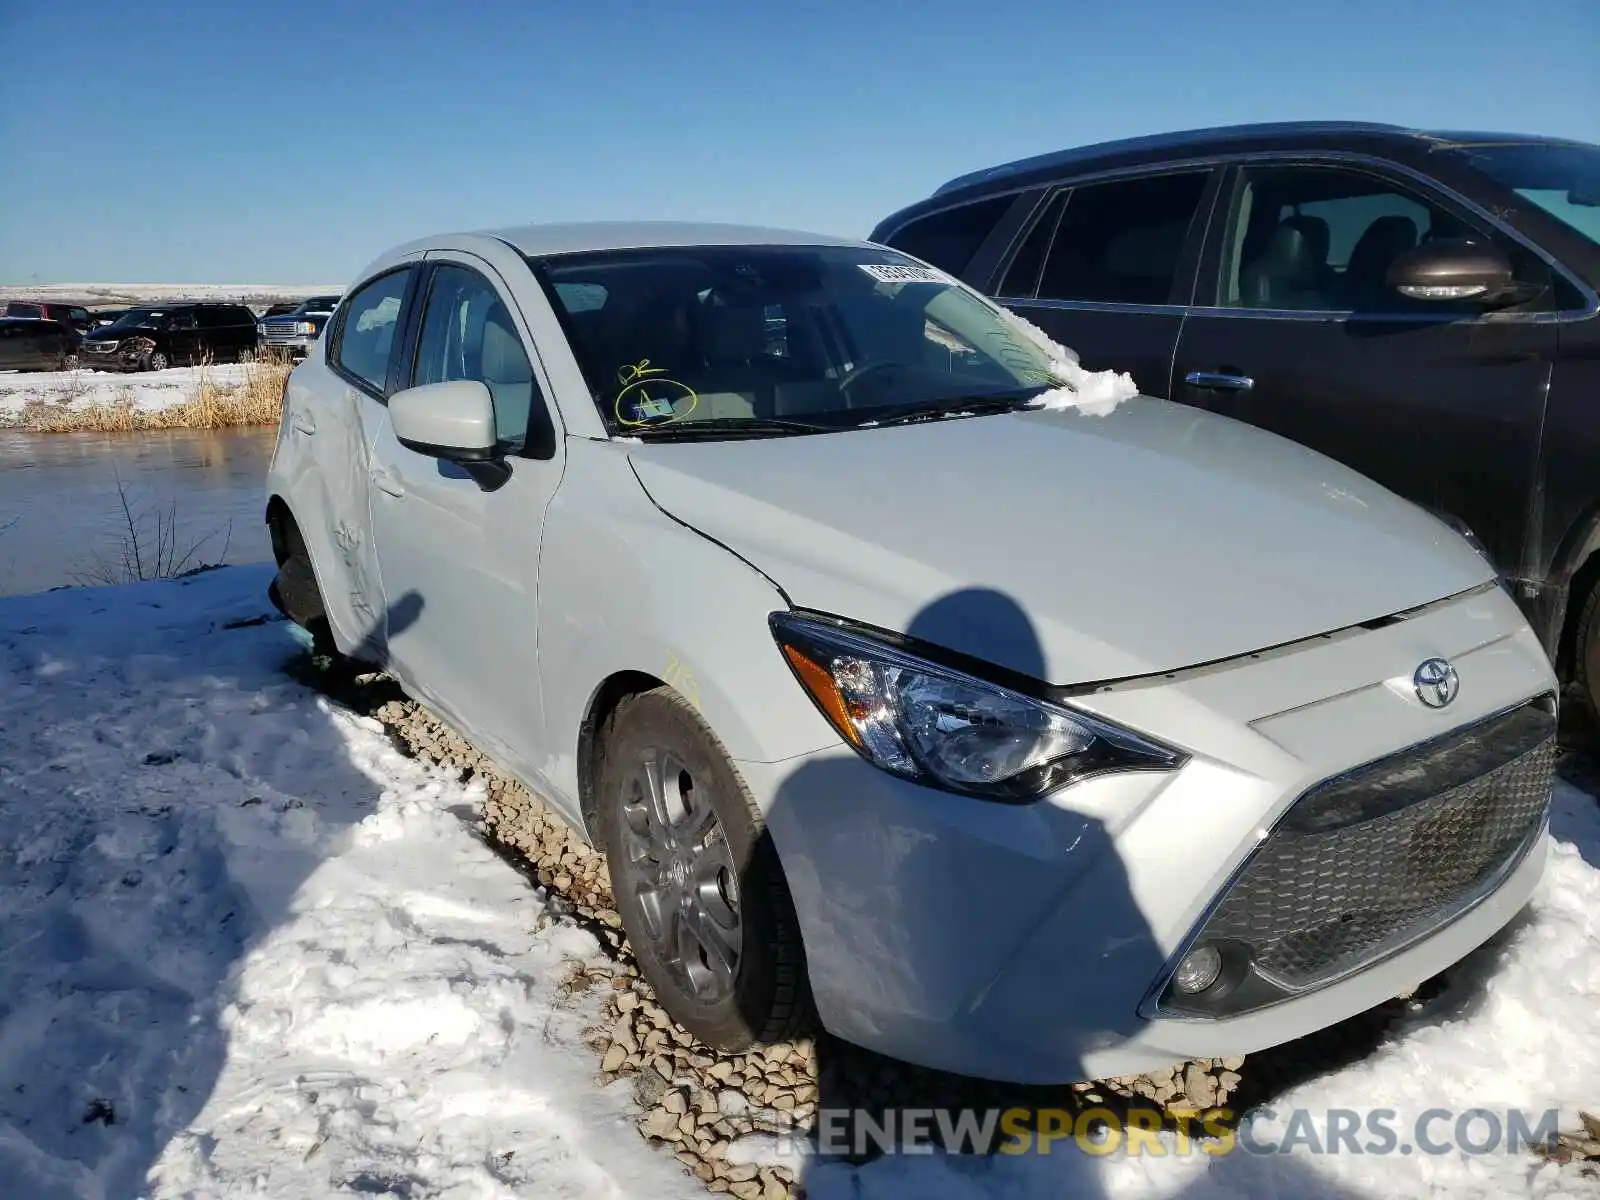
x=1024, y=728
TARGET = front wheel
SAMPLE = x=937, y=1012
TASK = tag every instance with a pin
x=698, y=885
x=1586, y=658
x=69, y=362
x=156, y=361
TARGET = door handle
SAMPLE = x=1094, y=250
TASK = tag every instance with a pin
x=386, y=482
x=1219, y=381
x=301, y=423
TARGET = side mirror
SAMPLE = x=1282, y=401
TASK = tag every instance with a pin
x=1455, y=269
x=452, y=420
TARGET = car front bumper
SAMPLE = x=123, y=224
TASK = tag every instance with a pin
x=1029, y=943
x=123, y=358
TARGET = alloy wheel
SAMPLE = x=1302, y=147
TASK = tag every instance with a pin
x=681, y=871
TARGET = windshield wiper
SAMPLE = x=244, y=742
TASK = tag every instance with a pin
x=982, y=405
x=722, y=427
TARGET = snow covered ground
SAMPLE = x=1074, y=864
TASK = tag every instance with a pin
x=248, y=948
x=106, y=294
x=148, y=390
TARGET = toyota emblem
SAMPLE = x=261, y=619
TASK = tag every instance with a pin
x=1436, y=682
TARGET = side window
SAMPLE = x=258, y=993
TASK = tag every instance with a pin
x=467, y=333
x=211, y=318
x=1322, y=238
x=1022, y=276
x=371, y=319
x=182, y=320
x=78, y=314
x=950, y=238
x=1122, y=242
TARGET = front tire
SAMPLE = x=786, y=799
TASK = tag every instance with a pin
x=1586, y=658
x=156, y=361
x=697, y=882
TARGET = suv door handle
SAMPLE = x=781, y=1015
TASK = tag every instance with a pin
x=386, y=482
x=301, y=423
x=1219, y=381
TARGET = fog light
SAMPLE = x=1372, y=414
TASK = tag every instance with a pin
x=1198, y=970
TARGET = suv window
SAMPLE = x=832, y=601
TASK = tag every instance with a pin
x=467, y=333
x=367, y=335
x=950, y=238
x=1322, y=238
x=182, y=319
x=1122, y=242
x=18, y=309
x=212, y=318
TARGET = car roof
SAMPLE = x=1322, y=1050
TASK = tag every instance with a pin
x=578, y=237
x=1228, y=137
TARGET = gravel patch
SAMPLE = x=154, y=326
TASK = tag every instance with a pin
x=742, y=1123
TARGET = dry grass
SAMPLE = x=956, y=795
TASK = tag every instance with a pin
x=256, y=401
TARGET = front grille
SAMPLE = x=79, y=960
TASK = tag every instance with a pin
x=280, y=333
x=98, y=347
x=1363, y=865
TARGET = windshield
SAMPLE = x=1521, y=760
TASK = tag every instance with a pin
x=320, y=304
x=829, y=336
x=139, y=318
x=1562, y=179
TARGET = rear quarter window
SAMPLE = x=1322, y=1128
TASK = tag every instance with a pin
x=948, y=239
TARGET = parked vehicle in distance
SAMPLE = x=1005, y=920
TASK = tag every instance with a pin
x=32, y=344
x=71, y=315
x=1419, y=305
x=298, y=330
x=154, y=337
x=877, y=681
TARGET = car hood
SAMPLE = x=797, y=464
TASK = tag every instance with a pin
x=1068, y=547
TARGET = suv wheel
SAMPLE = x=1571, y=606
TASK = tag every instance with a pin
x=1586, y=657
x=155, y=361
x=699, y=887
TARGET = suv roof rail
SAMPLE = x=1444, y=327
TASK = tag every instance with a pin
x=1158, y=141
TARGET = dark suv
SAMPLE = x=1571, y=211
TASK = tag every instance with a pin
x=156, y=336
x=72, y=315
x=1421, y=306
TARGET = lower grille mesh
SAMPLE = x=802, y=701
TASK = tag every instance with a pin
x=1362, y=865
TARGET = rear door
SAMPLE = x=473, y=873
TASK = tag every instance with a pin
x=331, y=423
x=1106, y=269
x=459, y=545
x=184, y=339
x=1295, y=330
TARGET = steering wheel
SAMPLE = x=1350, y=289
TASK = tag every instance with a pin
x=856, y=374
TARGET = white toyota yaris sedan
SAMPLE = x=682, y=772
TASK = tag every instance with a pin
x=1033, y=731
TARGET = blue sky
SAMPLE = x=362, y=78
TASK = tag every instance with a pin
x=263, y=142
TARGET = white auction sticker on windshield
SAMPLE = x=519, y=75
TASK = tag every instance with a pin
x=891, y=273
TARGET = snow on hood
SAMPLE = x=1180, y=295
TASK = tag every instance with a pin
x=1095, y=393
x=1148, y=539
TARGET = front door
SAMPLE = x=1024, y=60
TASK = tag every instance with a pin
x=1299, y=333
x=1106, y=269
x=184, y=338
x=458, y=545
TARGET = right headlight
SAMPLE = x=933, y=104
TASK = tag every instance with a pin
x=946, y=728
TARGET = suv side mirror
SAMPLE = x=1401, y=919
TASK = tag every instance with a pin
x=1456, y=269
x=453, y=420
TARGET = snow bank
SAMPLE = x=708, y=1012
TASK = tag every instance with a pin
x=1094, y=393
x=249, y=947
x=149, y=390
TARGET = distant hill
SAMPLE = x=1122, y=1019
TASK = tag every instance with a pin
x=110, y=295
